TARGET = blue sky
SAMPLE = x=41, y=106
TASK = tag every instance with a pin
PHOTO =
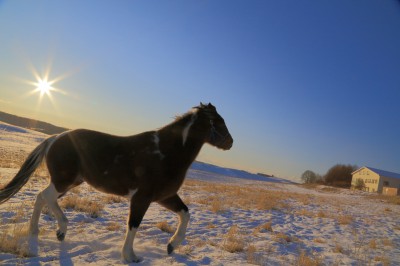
x=301, y=84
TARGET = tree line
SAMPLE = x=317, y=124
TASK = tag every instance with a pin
x=338, y=175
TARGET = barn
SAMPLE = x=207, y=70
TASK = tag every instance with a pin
x=376, y=180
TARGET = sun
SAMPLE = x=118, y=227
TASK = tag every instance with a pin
x=44, y=86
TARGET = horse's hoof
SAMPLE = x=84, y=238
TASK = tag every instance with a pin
x=60, y=235
x=137, y=260
x=133, y=260
x=170, y=249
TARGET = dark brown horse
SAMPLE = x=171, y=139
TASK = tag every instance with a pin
x=148, y=167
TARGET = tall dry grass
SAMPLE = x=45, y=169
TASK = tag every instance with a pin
x=221, y=197
x=91, y=207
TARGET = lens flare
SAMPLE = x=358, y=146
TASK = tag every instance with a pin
x=44, y=86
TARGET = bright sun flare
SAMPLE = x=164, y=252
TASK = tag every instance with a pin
x=43, y=86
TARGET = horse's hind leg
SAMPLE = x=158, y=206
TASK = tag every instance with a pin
x=34, y=223
x=50, y=196
x=176, y=205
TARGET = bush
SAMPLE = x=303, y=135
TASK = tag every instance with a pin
x=340, y=175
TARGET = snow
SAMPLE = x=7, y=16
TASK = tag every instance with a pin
x=320, y=224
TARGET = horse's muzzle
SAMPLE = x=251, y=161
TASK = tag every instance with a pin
x=227, y=143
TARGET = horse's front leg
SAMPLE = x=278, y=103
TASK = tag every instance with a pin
x=139, y=206
x=176, y=205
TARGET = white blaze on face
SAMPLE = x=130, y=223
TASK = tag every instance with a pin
x=185, y=131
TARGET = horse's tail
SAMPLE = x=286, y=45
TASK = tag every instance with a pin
x=28, y=167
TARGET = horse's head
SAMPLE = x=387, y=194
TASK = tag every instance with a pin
x=218, y=135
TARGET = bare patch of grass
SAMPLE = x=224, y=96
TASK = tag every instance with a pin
x=90, y=207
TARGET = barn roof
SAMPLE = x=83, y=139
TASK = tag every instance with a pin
x=380, y=172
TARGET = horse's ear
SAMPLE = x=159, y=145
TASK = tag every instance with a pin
x=210, y=106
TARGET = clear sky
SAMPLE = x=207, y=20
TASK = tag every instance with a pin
x=301, y=84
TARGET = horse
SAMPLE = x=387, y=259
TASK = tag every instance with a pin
x=145, y=168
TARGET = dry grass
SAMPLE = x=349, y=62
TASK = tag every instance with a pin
x=345, y=219
x=11, y=243
x=165, y=227
x=110, y=199
x=234, y=241
x=222, y=196
x=383, y=260
x=253, y=257
x=387, y=242
x=322, y=214
x=266, y=227
x=338, y=248
x=217, y=205
x=91, y=207
x=388, y=199
x=319, y=240
x=113, y=226
x=283, y=238
x=372, y=244
x=306, y=260
x=11, y=238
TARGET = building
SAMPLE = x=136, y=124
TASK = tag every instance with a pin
x=376, y=180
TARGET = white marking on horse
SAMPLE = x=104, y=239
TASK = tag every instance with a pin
x=131, y=193
x=185, y=131
x=127, y=251
x=157, y=150
x=50, y=195
x=179, y=235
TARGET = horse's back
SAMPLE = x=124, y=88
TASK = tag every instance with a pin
x=107, y=162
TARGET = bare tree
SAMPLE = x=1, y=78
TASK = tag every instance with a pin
x=309, y=177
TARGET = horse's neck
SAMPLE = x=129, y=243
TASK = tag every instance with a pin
x=186, y=136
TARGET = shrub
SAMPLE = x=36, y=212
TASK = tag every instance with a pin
x=90, y=207
x=340, y=175
x=165, y=227
x=234, y=241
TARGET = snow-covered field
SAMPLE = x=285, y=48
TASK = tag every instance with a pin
x=236, y=218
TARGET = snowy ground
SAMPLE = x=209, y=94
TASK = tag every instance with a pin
x=234, y=221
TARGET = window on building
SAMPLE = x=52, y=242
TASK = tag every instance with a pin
x=386, y=183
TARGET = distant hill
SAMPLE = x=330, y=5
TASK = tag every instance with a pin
x=232, y=173
x=33, y=124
